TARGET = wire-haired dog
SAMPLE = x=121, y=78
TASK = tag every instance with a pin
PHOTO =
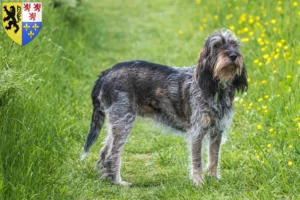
x=196, y=100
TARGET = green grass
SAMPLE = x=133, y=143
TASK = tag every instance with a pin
x=45, y=104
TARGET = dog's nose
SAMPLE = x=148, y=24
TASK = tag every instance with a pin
x=232, y=57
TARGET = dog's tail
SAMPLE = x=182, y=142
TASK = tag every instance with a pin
x=98, y=118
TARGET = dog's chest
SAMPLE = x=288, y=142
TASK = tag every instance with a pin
x=222, y=104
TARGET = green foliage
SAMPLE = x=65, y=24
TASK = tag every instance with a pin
x=45, y=104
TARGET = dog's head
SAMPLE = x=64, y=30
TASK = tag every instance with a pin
x=221, y=61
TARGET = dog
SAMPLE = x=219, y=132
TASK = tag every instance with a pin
x=196, y=100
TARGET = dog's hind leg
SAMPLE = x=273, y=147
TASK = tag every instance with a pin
x=120, y=119
x=110, y=155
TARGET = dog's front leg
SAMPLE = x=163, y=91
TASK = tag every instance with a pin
x=215, y=139
x=196, y=154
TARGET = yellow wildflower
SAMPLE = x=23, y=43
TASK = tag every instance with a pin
x=269, y=145
x=258, y=24
x=295, y=3
x=266, y=56
x=278, y=44
x=245, y=40
x=273, y=21
x=231, y=27
x=290, y=163
x=229, y=16
x=288, y=76
x=263, y=81
x=216, y=17
x=198, y=1
x=259, y=126
x=290, y=146
x=279, y=9
x=271, y=130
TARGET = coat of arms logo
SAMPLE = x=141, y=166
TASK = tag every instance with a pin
x=22, y=21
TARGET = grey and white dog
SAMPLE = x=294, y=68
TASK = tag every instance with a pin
x=196, y=100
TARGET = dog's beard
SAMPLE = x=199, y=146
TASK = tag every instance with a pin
x=225, y=70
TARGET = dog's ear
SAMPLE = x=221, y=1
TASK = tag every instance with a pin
x=204, y=75
x=240, y=82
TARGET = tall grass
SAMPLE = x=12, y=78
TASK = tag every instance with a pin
x=39, y=96
x=45, y=100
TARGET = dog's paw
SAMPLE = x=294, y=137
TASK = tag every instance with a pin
x=213, y=172
x=122, y=183
x=198, y=179
x=214, y=175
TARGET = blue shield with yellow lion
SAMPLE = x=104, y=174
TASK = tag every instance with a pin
x=22, y=21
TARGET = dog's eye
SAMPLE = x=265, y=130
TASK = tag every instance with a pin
x=217, y=45
x=234, y=44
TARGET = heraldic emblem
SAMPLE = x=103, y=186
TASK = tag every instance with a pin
x=22, y=21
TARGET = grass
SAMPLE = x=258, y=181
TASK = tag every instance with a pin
x=45, y=104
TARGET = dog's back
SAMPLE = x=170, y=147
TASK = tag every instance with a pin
x=148, y=85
